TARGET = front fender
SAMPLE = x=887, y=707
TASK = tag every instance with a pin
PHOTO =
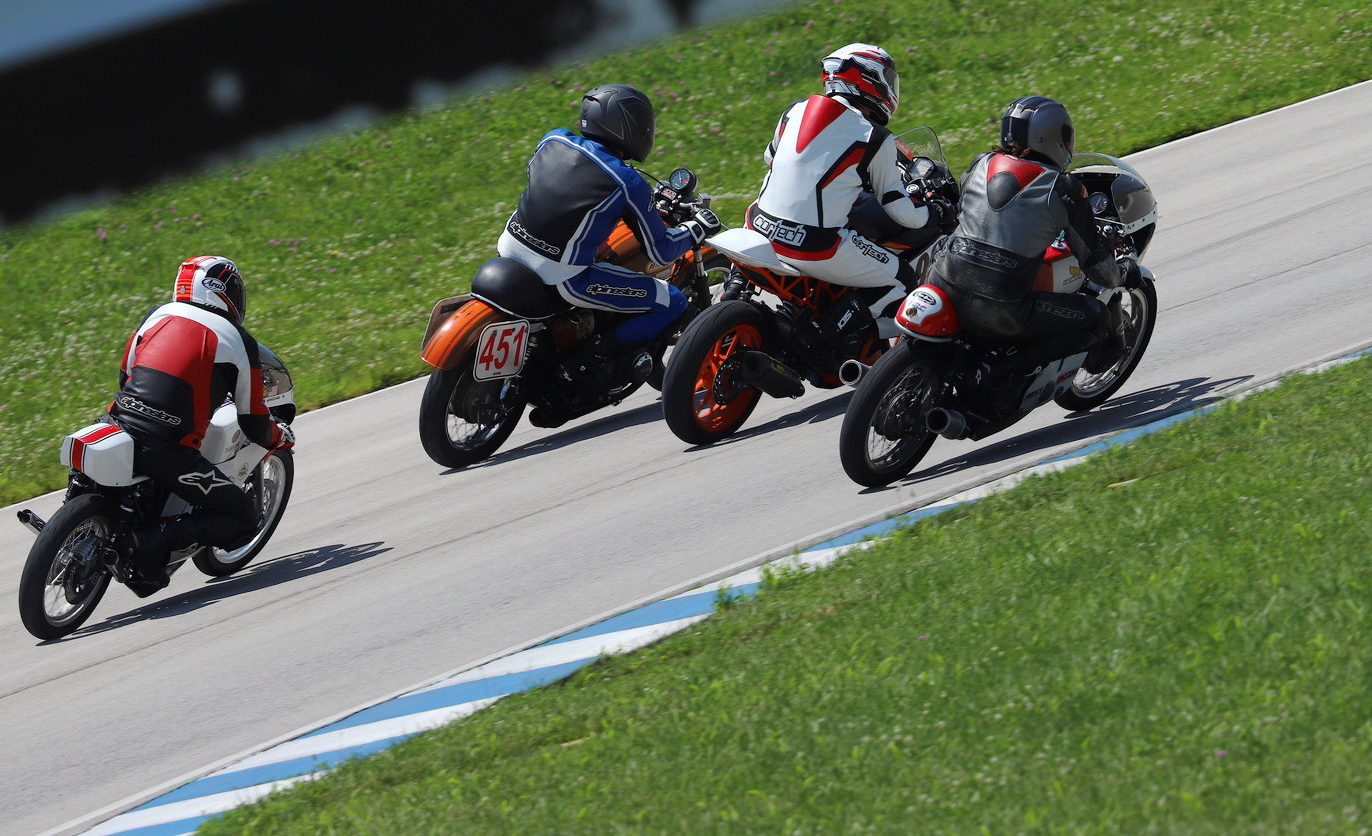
x=458, y=333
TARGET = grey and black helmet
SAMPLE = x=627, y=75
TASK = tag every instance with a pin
x=1038, y=125
x=619, y=117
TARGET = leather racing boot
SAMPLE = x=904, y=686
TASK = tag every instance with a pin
x=1110, y=350
x=153, y=545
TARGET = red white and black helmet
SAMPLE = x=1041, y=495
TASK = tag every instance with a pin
x=212, y=282
x=1039, y=126
x=867, y=74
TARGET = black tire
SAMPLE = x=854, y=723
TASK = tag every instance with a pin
x=717, y=266
x=701, y=401
x=463, y=420
x=1088, y=390
x=58, y=590
x=883, y=435
x=277, y=473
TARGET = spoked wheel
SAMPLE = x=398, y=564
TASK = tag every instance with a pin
x=463, y=420
x=64, y=576
x=883, y=435
x=703, y=400
x=1091, y=390
x=271, y=488
x=717, y=267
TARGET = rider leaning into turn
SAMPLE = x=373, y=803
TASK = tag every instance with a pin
x=579, y=188
x=828, y=152
x=1016, y=200
x=186, y=356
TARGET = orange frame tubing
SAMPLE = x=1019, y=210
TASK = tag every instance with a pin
x=458, y=334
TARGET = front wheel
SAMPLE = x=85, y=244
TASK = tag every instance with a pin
x=64, y=576
x=1088, y=390
x=703, y=400
x=883, y=435
x=717, y=266
x=271, y=488
x=463, y=420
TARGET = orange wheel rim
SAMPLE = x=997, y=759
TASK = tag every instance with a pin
x=717, y=401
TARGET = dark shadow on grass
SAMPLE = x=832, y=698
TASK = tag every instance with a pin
x=1135, y=409
x=253, y=577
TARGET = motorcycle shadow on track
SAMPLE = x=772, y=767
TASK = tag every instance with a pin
x=256, y=576
x=637, y=416
x=825, y=410
x=1126, y=412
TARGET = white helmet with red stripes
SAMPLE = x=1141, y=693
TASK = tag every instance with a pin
x=866, y=73
x=213, y=282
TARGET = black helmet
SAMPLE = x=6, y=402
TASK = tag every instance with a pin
x=212, y=282
x=620, y=117
x=1037, y=124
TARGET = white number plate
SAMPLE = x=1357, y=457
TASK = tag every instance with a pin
x=500, y=351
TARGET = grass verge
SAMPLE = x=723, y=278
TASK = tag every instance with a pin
x=347, y=242
x=1167, y=638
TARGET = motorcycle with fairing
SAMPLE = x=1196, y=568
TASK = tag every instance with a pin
x=942, y=381
x=513, y=341
x=88, y=542
x=775, y=329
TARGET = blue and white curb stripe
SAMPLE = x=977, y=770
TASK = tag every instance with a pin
x=384, y=724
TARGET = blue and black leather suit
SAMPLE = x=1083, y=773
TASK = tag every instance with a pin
x=578, y=190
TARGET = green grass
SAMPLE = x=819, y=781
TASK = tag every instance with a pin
x=347, y=242
x=1168, y=638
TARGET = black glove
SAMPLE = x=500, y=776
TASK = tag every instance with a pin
x=1129, y=270
x=942, y=212
x=702, y=224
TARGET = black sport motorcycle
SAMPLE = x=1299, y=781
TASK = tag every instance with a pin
x=941, y=381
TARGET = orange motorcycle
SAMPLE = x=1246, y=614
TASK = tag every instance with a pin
x=512, y=340
x=774, y=329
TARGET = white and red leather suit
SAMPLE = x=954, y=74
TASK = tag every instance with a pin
x=824, y=156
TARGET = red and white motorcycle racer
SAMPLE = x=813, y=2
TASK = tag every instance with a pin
x=828, y=152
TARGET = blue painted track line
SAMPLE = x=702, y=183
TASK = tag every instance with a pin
x=379, y=726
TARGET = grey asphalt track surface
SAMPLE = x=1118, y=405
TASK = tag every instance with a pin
x=389, y=570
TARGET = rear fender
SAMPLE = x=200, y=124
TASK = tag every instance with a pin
x=458, y=333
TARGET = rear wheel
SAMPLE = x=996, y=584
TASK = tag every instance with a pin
x=883, y=435
x=463, y=420
x=1091, y=390
x=271, y=488
x=703, y=400
x=64, y=576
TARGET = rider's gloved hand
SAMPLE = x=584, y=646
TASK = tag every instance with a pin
x=702, y=224
x=1129, y=270
x=943, y=213
x=287, y=438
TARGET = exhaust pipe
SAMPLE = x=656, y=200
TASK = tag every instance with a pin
x=31, y=521
x=758, y=368
x=852, y=372
x=946, y=422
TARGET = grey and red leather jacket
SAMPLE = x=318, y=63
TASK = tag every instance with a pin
x=1011, y=210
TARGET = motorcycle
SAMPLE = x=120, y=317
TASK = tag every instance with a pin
x=89, y=540
x=513, y=340
x=941, y=381
x=743, y=348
